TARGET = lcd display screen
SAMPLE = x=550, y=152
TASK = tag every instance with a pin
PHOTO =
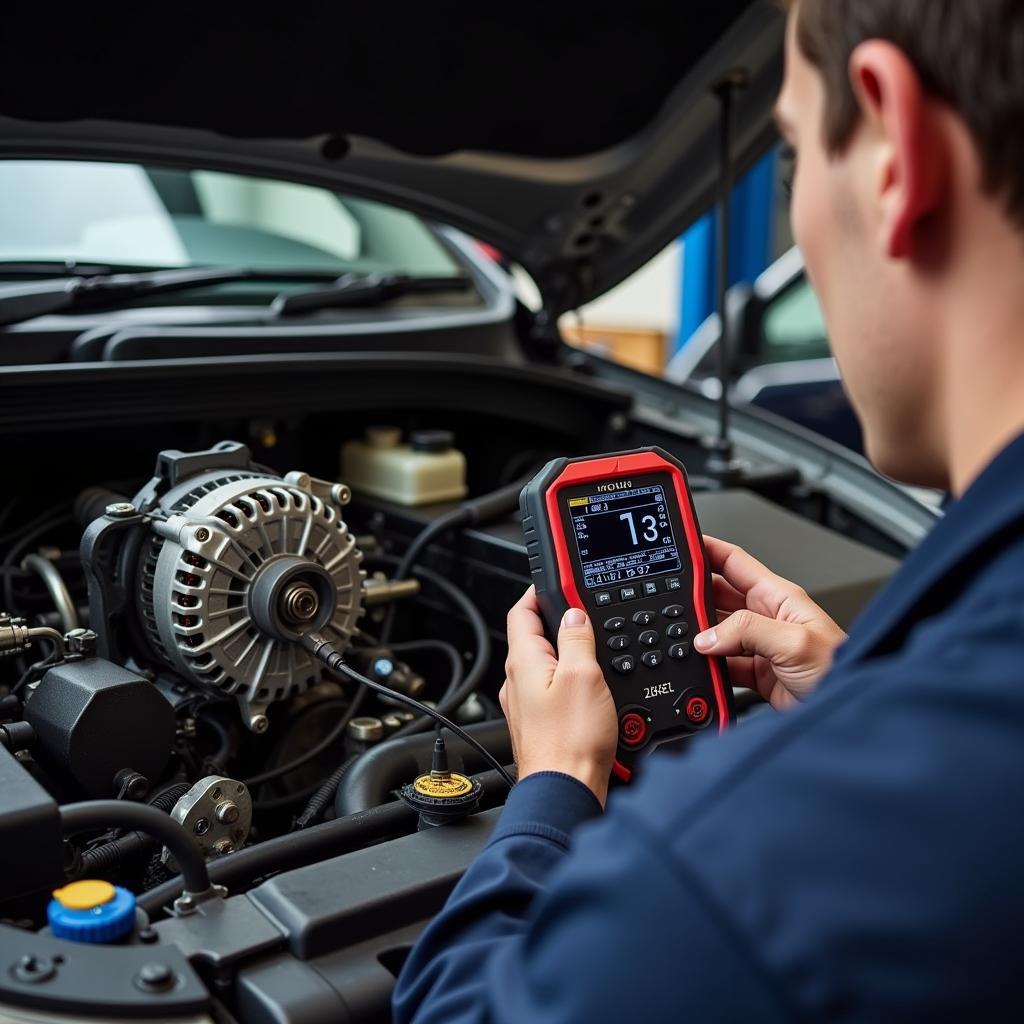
x=624, y=535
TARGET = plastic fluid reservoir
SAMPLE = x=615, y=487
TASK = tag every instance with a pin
x=426, y=469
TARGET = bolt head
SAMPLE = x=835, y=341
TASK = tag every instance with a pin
x=227, y=813
x=223, y=846
x=120, y=509
x=202, y=534
x=154, y=977
x=259, y=723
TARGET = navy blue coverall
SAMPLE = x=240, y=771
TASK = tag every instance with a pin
x=860, y=858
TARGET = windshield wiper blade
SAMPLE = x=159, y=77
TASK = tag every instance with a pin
x=20, y=302
x=69, y=268
x=354, y=290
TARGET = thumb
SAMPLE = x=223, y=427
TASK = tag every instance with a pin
x=746, y=633
x=576, y=638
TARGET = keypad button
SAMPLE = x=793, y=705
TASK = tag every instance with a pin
x=649, y=638
x=679, y=651
x=650, y=587
x=673, y=583
x=644, y=618
x=616, y=624
x=652, y=659
x=627, y=594
x=603, y=598
x=624, y=664
x=673, y=611
x=619, y=642
x=677, y=629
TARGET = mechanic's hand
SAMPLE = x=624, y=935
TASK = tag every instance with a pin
x=559, y=708
x=777, y=640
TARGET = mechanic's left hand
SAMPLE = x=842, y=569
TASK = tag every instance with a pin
x=559, y=708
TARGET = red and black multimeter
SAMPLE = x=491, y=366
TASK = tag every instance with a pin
x=617, y=536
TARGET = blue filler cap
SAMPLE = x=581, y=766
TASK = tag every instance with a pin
x=91, y=911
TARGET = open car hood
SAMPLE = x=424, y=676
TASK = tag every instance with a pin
x=577, y=141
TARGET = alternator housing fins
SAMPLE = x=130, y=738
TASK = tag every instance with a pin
x=213, y=583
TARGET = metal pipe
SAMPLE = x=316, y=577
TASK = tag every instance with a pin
x=56, y=638
x=377, y=592
x=57, y=588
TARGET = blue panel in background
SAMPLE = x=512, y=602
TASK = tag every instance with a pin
x=753, y=214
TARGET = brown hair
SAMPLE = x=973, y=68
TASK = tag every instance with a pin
x=968, y=53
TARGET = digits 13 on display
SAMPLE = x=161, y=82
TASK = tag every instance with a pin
x=624, y=535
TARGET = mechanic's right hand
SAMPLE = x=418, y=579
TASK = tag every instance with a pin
x=776, y=639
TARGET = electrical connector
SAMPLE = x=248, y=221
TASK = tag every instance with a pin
x=14, y=635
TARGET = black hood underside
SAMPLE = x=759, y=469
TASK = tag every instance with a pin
x=578, y=140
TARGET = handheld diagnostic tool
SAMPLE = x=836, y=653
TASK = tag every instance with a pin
x=617, y=536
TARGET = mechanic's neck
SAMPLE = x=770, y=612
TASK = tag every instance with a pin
x=984, y=372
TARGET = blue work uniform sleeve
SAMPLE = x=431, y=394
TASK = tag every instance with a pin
x=527, y=936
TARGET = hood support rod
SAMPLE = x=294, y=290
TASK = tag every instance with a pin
x=721, y=465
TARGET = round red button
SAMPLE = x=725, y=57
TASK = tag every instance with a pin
x=697, y=710
x=632, y=729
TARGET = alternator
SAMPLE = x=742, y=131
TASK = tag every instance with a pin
x=242, y=565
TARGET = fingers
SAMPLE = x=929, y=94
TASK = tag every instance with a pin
x=764, y=591
x=740, y=570
x=576, y=644
x=746, y=633
x=727, y=597
x=527, y=645
x=741, y=672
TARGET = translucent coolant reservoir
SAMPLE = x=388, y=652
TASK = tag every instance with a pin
x=425, y=469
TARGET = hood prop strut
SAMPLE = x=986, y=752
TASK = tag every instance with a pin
x=721, y=466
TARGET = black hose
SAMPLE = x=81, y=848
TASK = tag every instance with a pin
x=11, y=558
x=220, y=756
x=110, y=856
x=470, y=513
x=97, y=814
x=296, y=849
x=442, y=524
x=165, y=800
x=324, y=795
x=481, y=638
x=454, y=693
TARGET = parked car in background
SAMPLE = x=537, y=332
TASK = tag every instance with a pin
x=779, y=353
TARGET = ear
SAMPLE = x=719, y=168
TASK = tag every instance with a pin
x=911, y=160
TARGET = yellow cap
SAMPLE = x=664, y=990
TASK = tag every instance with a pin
x=441, y=788
x=84, y=895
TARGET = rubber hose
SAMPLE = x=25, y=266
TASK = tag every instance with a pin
x=97, y=814
x=324, y=795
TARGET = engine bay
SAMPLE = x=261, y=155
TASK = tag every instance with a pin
x=155, y=661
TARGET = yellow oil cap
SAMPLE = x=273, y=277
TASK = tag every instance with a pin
x=84, y=895
x=446, y=787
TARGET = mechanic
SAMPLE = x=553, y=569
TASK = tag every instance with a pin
x=855, y=855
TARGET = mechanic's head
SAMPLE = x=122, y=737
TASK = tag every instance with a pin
x=907, y=117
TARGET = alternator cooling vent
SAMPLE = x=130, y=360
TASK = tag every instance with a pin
x=213, y=577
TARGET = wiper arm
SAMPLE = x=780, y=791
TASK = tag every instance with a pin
x=25, y=301
x=353, y=290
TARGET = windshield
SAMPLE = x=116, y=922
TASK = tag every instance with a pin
x=128, y=214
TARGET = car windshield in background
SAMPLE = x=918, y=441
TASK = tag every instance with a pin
x=128, y=214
